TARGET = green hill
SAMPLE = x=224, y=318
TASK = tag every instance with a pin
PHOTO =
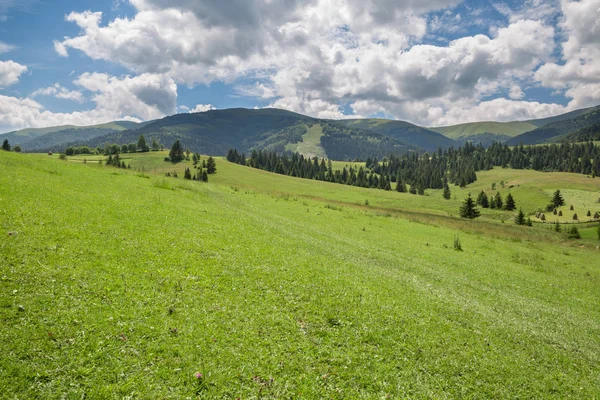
x=128, y=284
x=557, y=118
x=407, y=133
x=38, y=139
x=215, y=132
x=560, y=129
x=485, y=132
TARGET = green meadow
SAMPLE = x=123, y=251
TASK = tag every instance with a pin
x=129, y=284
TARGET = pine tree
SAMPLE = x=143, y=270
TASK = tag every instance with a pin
x=446, y=193
x=204, y=176
x=188, y=174
x=557, y=227
x=176, y=153
x=557, y=199
x=142, y=145
x=520, y=218
x=400, y=186
x=5, y=145
x=482, y=200
x=468, y=208
x=498, y=201
x=155, y=145
x=510, y=203
x=211, y=166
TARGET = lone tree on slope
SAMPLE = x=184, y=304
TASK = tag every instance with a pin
x=468, y=208
x=211, y=166
x=176, y=154
x=510, y=203
x=557, y=199
x=520, y=218
x=6, y=145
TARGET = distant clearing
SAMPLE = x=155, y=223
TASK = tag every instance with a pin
x=311, y=143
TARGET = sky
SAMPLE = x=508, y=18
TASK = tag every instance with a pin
x=429, y=62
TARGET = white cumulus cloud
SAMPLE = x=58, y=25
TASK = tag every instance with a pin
x=202, y=108
x=10, y=72
x=143, y=97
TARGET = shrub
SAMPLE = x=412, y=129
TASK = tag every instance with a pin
x=457, y=245
x=589, y=213
x=574, y=233
x=560, y=213
x=575, y=218
x=557, y=227
x=62, y=156
x=571, y=208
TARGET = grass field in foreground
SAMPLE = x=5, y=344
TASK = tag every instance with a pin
x=121, y=284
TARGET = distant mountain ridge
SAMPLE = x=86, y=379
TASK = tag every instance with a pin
x=32, y=139
x=215, y=132
x=559, y=128
x=487, y=132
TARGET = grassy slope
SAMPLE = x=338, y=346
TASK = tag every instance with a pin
x=476, y=128
x=262, y=280
x=558, y=130
x=311, y=143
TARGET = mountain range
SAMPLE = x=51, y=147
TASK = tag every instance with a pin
x=215, y=132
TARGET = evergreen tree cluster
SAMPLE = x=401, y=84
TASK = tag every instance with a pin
x=312, y=168
x=458, y=166
x=235, y=157
x=583, y=158
x=201, y=175
x=432, y=171
x=116, y=161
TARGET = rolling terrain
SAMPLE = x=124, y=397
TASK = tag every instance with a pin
x=560, y=129
x=485, y=132
x=58, y=137
x=216, y=131
x=273, y=286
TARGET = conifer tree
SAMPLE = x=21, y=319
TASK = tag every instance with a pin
x=187, y=174
x=482, y=200
x=142, y=145
x=155, y=145
x=400, y=186
x=5, y=145
x=520, y=218
x=176, y=153
x=204, y=176
x=211, y=166
x=446, y=193
x=557, y=227
x=468, y=208
x=498, y=201
x=510, y=203
x=557, y=199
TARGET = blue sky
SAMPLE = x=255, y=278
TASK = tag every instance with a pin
x=431, y=62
